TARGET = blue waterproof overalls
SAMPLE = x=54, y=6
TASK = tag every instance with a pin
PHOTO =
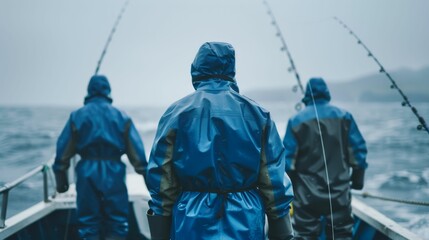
x=100, y=134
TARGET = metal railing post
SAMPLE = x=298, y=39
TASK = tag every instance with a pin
x=4, y=209
x=45, y=184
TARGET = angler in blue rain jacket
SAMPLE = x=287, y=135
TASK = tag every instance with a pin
x=344, y=148
x=100, y=134
x=217, y=163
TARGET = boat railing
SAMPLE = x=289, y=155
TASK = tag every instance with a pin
x=5, y=189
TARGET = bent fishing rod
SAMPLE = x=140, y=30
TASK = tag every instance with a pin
x=406, y=102
x=284, y=48
x=293, y=69
x=109, y=39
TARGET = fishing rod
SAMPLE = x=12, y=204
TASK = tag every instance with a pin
x=293, y=69
x=109, y=39
x=394, y=85
x=284, y=48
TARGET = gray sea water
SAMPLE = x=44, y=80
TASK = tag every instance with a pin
x=398, y=155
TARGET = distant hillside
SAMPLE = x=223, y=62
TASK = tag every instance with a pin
x=370, y=88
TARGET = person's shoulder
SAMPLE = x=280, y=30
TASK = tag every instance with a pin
x=109, y=109
x=119, y=112
x=340, y=111
x=253, y=103
x=78, y=111
x=304, y=115
x=78, y=114
x=180, y=105
x=299, y=117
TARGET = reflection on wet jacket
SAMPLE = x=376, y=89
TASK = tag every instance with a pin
x=217, y=162
x=100, y=134
x=344, y=148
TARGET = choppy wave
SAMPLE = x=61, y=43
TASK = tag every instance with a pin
x=403, y=180
x=420, y=226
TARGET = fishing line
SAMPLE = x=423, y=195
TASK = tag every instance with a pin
x=394, y=85
x=293, y=69
x=284, y=48
x=324, y=160
x=109, y=39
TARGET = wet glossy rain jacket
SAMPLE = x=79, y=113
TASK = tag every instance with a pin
x=344, y=148
x=216, y=165
x=100, y=134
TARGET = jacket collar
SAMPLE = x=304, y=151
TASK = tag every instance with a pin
x=215, y=84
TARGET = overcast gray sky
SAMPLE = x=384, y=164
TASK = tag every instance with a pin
x=49, y=48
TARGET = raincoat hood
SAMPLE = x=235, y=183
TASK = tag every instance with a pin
x=214, y=60
x=320, y=91
x=98, y=87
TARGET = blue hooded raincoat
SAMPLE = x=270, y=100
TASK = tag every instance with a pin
x=217, y=163
x=100, y=134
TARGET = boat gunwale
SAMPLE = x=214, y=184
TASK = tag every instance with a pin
x=64, y=201
x=381, y=222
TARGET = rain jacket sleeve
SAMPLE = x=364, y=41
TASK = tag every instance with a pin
x=66, y=147
x=357, y=146
x=274, y=185
x=161, y=180
x=135, y=149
